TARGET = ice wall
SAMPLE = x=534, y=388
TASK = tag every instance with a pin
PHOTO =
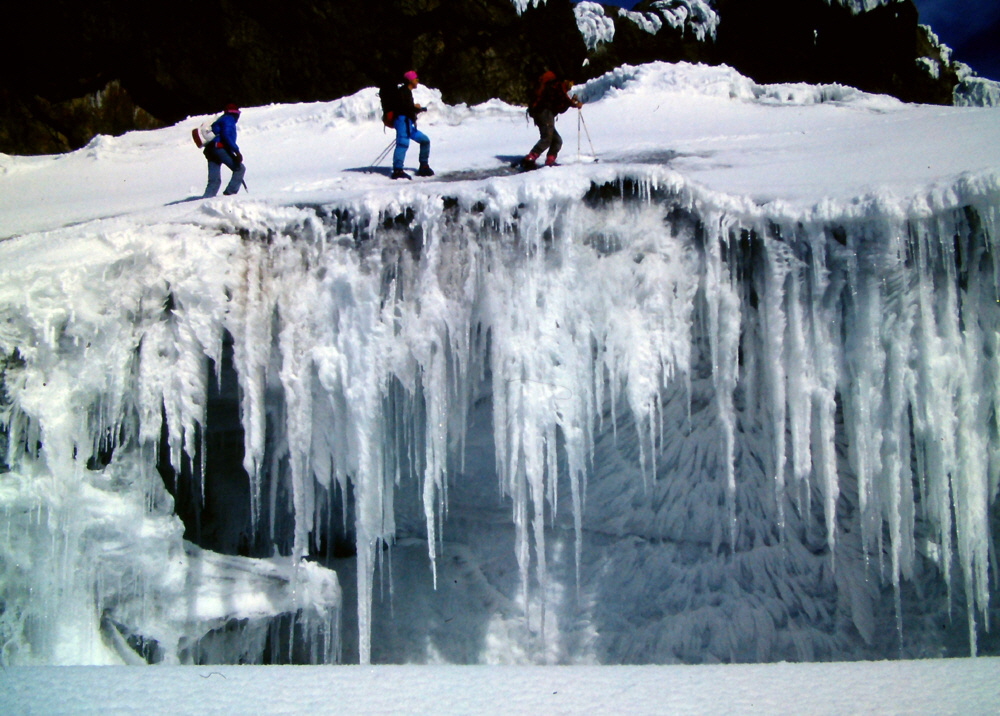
x=746, y=422
x=106, y=345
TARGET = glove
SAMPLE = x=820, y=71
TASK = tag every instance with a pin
x=238, y=157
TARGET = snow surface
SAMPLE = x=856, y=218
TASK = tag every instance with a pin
x=602, y=413
x=941, y=687
x=729, y=134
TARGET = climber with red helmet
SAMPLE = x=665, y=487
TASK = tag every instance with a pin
x=551, y=98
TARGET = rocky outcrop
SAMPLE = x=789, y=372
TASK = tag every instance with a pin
x=813, y=41
x=174, y=60
x=646, y=34
x=38, y=125
x=104, y=67
x=818, y=41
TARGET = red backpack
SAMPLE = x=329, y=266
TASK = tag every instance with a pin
x=547, y=78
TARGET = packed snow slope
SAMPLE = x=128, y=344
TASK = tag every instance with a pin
x=796, y=146
x=928, y=686
x=720, y=388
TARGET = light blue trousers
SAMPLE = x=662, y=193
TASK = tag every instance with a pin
x=216, y=158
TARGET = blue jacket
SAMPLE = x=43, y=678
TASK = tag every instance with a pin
x=225, y=133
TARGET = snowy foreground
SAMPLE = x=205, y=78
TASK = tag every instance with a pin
x=720, y=388
x=963, y=687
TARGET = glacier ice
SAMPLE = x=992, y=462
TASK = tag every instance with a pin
x=701, y=429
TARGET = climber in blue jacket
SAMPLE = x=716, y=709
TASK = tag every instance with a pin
x=224, y=150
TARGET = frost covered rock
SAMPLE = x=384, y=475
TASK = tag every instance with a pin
x=646, y=21
x=595, y=26
x=932, y=66
x=862, y=6
x=523, y=5
x=977, y=92
x=695, y=16
x=970, y=90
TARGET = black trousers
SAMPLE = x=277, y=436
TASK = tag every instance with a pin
x=548, y=137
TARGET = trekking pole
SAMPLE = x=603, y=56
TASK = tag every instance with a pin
x=383, y=155
x=579, y=117
x=584, y=123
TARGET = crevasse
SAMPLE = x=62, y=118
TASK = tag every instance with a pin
x=760, y=420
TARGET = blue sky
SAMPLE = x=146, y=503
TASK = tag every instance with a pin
x=969, y=27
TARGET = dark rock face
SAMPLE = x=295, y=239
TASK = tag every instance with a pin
x=79, y=69
x=812, y=41
x=38, y=125
x=175, y=59
x=819, y=42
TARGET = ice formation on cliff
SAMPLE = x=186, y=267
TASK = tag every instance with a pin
x=698, y=427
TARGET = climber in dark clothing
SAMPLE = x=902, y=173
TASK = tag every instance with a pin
x=405, y=125
x=551, y=99
x=223, y=150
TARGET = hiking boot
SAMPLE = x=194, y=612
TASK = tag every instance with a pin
x=400, y=174
x=528, y=163
x=425, y=171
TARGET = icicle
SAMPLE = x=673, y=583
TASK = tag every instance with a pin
x=972, y=494
x=724, y=335
x=866, y=361
x=250, y=325
x=895, y=500
x=778, y=266
x=934, y=447
x=800, y=368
